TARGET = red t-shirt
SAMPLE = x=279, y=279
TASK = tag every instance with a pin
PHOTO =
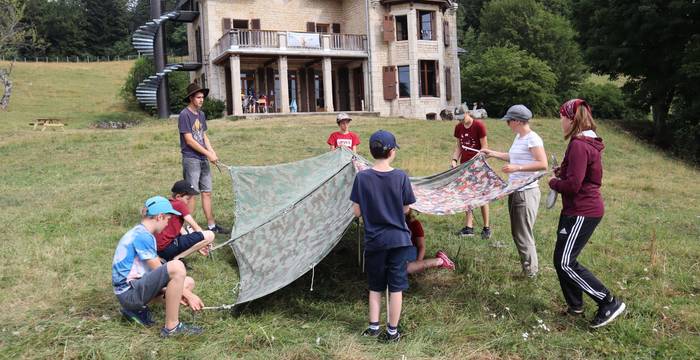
x=470, y=137
x=172, y=230
x=416, y=229
x=339, y=139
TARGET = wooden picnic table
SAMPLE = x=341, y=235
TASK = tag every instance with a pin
x=48, y=123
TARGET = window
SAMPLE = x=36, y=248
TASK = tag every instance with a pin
x=428, y=78
x=240, y=24
x=401, y=27
x=323, y=28
x=426, y=26
x=404, y=81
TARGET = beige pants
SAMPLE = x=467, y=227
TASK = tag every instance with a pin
x=522, y=207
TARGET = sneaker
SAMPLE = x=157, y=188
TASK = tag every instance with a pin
x=386, y=338
x=371, y=333
x=572, y=311
x=219, y=230
x=181, y=329
x=607, y=313
x=466, y=231
x=446, y=262
x=142, y=317
x=486, y=233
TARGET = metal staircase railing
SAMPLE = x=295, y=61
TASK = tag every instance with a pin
x=143, y=41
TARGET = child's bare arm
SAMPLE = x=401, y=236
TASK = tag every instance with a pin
x=356, y=209
x=190, y=220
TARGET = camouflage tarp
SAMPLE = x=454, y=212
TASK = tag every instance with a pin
x=290, y=216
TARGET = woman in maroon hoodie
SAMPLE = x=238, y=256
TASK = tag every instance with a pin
x=578, y=180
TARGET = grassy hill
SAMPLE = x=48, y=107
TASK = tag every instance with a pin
x=68, y=197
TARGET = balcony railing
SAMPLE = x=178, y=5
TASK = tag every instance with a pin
x=272, y=39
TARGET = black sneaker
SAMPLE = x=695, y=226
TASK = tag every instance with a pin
x=219, y=230
x=486, y=233
x=466, y=231
x=386, y=338
x=371, y=333
x=607, y=313
x=142, y=316
x=181, y=329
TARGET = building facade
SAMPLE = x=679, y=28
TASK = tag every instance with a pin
x=394, y=57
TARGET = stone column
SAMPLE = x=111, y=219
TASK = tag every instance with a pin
x=413, y=58
x=283, y=97
x=328, y=84
x=367, y=96
x=351, y=89
x=235, y=62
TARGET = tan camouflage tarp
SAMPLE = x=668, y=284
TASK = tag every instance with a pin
x=290, y=216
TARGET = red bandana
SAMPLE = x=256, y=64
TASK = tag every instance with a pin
x=569, y=108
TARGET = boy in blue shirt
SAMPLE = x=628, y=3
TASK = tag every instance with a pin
x=381, y=195
x=138, y=277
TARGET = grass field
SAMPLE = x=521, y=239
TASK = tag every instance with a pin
x=68, y=197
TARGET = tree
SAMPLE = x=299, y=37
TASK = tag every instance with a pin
x=106, y=25
x=60, y=24
x=550, y=37
x=504, y=76
x=14, y=36
x=644, y=40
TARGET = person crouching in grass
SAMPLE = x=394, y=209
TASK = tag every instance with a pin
x=175, y=242
x=139, y=277
x=381, y=195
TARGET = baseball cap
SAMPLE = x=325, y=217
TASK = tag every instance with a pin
x=342, y=116
x=385, y=138
x=159, y=205
x=184, y=187
x=518, y=112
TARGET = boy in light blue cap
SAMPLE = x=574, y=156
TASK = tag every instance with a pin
x=138, y=276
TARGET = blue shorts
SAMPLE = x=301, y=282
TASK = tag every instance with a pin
x=180, y=244
x=387, y=268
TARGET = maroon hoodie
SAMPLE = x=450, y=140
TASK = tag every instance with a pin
x=580, y=177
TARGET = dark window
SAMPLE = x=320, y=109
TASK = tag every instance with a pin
x=426, y=28
x=428, y=78
x=323, y=28
x=401, y=27
x=198, y=44
x=404, y=81
x=240, y=24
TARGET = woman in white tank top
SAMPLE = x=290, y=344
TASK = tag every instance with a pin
x=526, y=155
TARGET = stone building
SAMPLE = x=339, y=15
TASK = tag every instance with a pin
x=393, y=57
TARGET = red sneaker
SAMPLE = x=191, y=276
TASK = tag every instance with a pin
x=446, y=262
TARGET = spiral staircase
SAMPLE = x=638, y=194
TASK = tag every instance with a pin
x=144, y=41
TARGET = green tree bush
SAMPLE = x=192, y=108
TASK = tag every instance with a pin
x=213, y=108
x=548, y=36
x=607, y=100
x=502, y=76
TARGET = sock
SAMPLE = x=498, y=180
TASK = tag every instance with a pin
x=391, y=329
x=211, y=226
x=173, y=329
x=487, y=228
x=374, y=325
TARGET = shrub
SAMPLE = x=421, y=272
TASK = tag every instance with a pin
x=213, y=108
x=606, y=100
x=502, y=76
x=143, y=68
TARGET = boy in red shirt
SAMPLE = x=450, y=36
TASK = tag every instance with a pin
x=344, y=137
x=174, y=241
x=470, y=134
x=418, y=239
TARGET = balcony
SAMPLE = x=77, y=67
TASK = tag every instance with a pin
x=273, y=42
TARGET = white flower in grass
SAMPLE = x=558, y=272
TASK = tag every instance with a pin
x=507, y=308
x=666, y=307
x=525, y=336
x=496, y=293
x=105, y=317
x=318, y=341
x=15, y=333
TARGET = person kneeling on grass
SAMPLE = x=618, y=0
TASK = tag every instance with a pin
x=175, y=242
x=139, y=277
x=418, y=239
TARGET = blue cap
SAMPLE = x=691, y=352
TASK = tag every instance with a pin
x=518, y=112
x=385, y=138
x=159, y=205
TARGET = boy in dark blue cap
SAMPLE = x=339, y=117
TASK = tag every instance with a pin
x=381, y=195
x=138, y=277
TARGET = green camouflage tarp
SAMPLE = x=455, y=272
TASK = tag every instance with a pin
x=288, y=217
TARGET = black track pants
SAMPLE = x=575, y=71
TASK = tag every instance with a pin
x=573, y=233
